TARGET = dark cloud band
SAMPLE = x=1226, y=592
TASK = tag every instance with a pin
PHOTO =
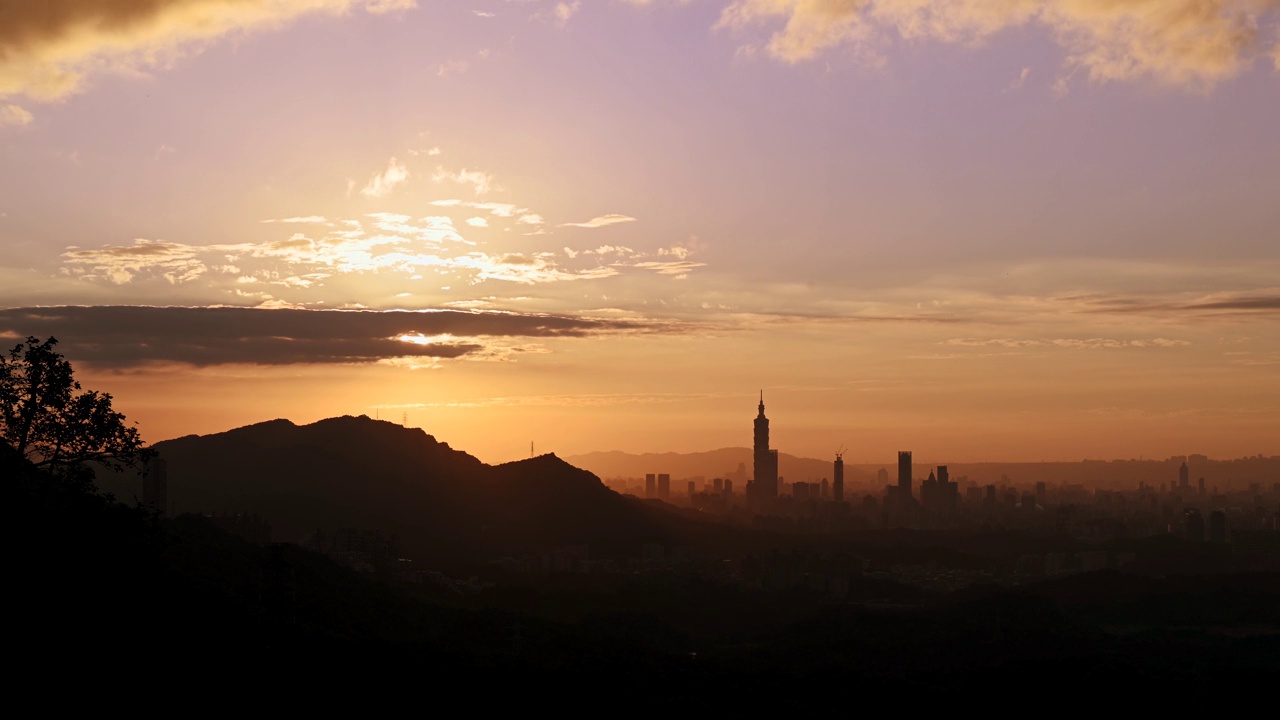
x=121, y=336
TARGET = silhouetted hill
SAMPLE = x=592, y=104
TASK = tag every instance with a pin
x=136, y=598
x=443, y=504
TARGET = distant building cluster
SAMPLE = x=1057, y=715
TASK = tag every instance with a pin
x=1196, y=510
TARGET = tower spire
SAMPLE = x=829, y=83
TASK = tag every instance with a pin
x=762, y=402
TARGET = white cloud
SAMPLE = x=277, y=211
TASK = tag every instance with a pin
x=302, y=219
x=120, y=264
x=564, y=11
x=383, y=183
x=504, y=210
x=480, y=181
x=14, y=116
x=679, y=269
x=601, y=221
x=452, y=67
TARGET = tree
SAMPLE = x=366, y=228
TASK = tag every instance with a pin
x=51, y=421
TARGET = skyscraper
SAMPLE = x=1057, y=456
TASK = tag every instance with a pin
x=1184, y=476
x=837, y=485
x=904, y=476
x=766, y=460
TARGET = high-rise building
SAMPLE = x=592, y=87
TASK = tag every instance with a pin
x=766, y=460
x=1218, y=526
x=948, y=492
x=664, y=486
x=904, y=476
x=1184, y=476
x=651, y=485
x=837, y=485
x=1194, y=525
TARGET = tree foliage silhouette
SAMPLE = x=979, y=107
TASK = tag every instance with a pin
x=48, y=418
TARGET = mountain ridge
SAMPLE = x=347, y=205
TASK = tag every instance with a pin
x=441, y=503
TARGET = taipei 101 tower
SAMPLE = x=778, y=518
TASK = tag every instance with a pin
x=766, y=460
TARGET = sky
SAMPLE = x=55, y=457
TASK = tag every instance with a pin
x=976, y=229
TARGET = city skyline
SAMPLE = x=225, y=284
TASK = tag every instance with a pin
x=1034, y=230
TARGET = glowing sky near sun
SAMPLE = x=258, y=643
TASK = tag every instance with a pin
x=979, y=229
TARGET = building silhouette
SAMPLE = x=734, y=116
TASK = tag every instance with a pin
x=766, y=459
x=904, y=477
x=664, y=486
x=1218, y=526
x=1194, y=525
x=651, y=485
x=1184, y=476
x=837, y=485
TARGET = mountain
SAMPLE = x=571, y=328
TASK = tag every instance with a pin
x=442, y=504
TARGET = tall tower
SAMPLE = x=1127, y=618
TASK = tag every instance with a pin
x=1184, y=476
x=904, y=475
x=766, y=460
x=837, y=486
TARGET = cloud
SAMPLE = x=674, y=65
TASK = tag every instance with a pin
x=602, y=221
x=383, y=183
x=564, y=11
x=481, y=182
x=680, y=268
x=1255, y=304
x=1021, y=80
x=1196, y=42
x=120, y=264
x=525, y=269
x=620, y=250
x=452, y=67
x=49, y=47
x=14, y=116
x=126, y=336
x=308, y=219
x=1069, y=343
x=504, y=210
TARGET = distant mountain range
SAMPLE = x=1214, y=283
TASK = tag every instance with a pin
x=443, y=504
x=1221, y=474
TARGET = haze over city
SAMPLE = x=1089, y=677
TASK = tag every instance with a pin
x=1020, y=230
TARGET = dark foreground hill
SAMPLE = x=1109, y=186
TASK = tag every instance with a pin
x=109, y=604
x=443, y=504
